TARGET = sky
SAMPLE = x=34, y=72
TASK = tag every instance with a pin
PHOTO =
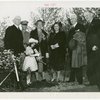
x=20, y=8
x=13, y=9
x=24, y=7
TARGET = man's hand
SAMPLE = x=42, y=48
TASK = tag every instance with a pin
x=52, y=47
x=47, y=55
x=94, y=48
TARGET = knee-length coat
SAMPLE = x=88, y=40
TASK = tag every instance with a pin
x=79, y=54
x=57, y=56
x=43, y=45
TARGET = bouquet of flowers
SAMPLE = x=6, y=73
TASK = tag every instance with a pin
x=6, y=61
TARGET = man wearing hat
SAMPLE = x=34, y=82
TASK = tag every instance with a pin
x=13, y=40
x=26, y=36
x=72, y=44
x=40, y=35
x=93, y=51
x=25, y=33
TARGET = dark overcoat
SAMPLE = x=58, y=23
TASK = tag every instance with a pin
x=13, y=39
x=57, y=56
x=93, y=38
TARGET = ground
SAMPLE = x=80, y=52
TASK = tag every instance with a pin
x=8, y=86
x=61, y=87
x=65, y=87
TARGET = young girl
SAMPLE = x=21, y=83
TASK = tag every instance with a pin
x=30, y=63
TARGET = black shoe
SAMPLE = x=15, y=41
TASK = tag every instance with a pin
x=20, y=86
x=38, y=81
x=44, y=80
x=80, y=83
x=69, y=81
x=89, y=84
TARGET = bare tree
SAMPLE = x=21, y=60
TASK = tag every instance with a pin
x=49, y=16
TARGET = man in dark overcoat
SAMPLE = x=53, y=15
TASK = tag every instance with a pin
x=13, y=40
x=13, y=37
x=93, y=51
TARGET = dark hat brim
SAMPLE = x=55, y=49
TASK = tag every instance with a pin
x=24, y=22
x=40, y=21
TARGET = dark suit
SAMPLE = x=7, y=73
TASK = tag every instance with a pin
x=42, y=45
x=13, y=39
x=93, y=38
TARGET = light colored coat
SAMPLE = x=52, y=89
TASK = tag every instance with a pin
x=79, y=55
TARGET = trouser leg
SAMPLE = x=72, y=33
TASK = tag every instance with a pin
x=72, y=75
x=79, y=75
x=91, y=74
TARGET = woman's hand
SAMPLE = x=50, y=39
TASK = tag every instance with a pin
x=35, y=55
x=38, y=54
x=55, y=46
x=39, y=58
x=43, y=37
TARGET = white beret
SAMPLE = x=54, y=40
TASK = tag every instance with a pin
x=32, y=40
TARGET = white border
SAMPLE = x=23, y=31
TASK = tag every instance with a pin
x=56, y=3
x=59, y=3
x=60, y=95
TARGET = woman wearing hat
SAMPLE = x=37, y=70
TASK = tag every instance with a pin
x=40, y=35
x=30, y=63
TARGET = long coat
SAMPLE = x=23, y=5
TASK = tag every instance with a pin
x=57, y=56
x=93, y=38
x=43, y=45
x=14, y=39
x=70, y=36
x=79, y=55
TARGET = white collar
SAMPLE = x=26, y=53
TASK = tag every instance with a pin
x=16, y=26
x=75, y=24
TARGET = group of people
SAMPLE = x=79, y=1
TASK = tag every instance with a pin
x=84, y=50
x=37, y=50
x=34, y=48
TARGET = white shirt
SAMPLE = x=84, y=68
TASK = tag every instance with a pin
x=17, y=26
x=75, y=24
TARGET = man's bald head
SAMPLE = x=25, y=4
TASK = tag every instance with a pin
x=17, y=20
x=73, y=18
